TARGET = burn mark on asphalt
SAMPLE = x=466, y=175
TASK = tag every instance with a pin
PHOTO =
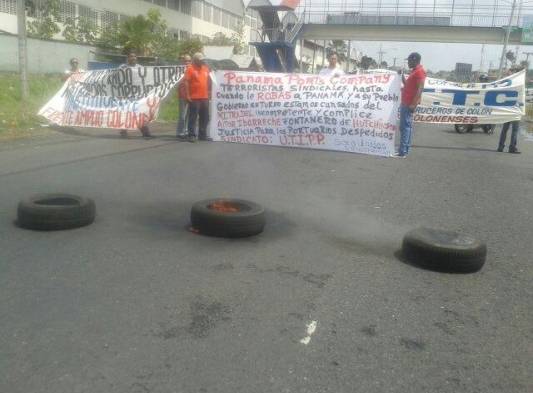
x=287, y=270
x=319, y=280
x=139, y=388
x=369, y=330
x=222, y=267
x=413, y=345
x=445, y=328
x=205, y=316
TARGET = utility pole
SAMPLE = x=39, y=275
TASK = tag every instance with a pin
x=381, y=53
x=506, y=41
x=349, y=56
x=482, y=58
x=23, y=52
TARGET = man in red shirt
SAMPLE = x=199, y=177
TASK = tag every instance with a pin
x=412, y=90
x=197, y=89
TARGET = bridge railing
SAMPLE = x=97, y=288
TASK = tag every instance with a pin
x=492, y=13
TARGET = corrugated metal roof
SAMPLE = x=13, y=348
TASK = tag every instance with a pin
x=234, y=6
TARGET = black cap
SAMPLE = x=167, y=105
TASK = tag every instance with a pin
x=414, y=56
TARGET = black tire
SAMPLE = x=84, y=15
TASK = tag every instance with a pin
x=51, y=212
x=248, y=220
x=463, y=128
x=444, y=251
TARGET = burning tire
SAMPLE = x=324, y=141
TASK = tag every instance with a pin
x=444, y=251
x=49, y=212
x=231, y=218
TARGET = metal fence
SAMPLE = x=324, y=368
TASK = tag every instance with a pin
x=466, y=13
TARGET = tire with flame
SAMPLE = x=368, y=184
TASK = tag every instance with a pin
x=231, y=218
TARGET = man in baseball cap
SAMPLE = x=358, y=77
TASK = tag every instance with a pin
x=413, y=87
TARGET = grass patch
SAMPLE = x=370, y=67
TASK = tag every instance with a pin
x=169, y=108
x=15, y=116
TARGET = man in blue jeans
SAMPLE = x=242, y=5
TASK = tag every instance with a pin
x=412, y=90
x=514, y=137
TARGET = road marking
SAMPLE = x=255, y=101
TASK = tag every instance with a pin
x=311, y=327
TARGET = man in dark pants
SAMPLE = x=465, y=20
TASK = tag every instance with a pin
x=197, y=88
x=412, y=90
x=514, y=137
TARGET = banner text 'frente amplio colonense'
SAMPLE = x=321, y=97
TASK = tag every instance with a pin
x=122, y=98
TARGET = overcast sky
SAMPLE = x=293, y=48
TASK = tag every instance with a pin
x=435, y=56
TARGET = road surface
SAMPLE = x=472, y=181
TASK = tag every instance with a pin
x=318, y=303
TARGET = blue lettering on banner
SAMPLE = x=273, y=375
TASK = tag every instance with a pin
x=491, y=98
x=459, y=96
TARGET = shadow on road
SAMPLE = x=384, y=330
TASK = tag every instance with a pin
x=110, y=134
x=454, y=148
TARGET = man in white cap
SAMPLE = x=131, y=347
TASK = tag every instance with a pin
x=197, y=90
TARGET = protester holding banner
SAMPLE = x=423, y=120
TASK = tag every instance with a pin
x=333, y=69
x=74, y=68
x=197, y=89
x=411, y=94
x=515, y=125
x=132, y=63
x=183, y=104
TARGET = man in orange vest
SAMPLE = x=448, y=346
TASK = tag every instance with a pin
x=197, y=89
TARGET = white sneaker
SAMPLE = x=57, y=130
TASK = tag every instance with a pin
x=398, y=155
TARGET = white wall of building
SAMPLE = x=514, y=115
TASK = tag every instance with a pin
x=43, y=56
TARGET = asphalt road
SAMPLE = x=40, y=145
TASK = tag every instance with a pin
x=136, y=303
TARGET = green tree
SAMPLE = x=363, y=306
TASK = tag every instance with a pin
x=511, y=57
x=46, y=14
x=190, y=47
x=368, y=62
x=108, y=37
x=144, y=34
x=339, y=47
x=81, y=30
x=237, y=39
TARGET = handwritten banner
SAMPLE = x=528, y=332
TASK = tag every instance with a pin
x=352, y=113
x=472, y=103
x=122, y=98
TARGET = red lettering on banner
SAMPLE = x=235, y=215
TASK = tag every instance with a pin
x=114, y=119
x=302, y=140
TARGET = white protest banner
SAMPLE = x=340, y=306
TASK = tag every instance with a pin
x=472, y=103
x=352, y=113
x=122, y=98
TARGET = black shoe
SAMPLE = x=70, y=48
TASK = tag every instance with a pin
x=191, y=138
x=205, y=139
x=500, y=149
x=514, y=151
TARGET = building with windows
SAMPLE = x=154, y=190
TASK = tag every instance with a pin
x=185, y=18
